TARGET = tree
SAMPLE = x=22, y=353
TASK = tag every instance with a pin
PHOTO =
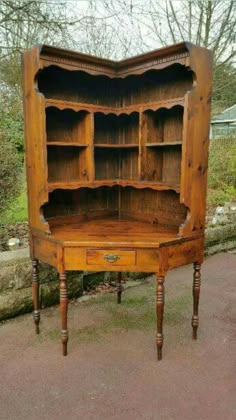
x=224, y=92
x=209, y=23
x=24, y=23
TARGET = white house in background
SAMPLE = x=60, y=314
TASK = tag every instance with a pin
x=224, y=124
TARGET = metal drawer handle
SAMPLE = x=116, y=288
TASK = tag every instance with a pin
x=111, y=257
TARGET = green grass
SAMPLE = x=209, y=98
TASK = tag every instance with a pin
x=17, y=212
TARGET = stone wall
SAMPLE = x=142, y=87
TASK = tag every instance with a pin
x=15, y=283
x=15, y=275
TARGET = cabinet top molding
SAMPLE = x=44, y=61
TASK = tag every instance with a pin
x=160, y=57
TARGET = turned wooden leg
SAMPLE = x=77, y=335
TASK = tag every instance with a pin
x=160, y=300
x=196, y=293
x=35, y=291
x=64, y=308
x=119, y=287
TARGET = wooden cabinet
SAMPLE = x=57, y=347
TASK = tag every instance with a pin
x=117, y=164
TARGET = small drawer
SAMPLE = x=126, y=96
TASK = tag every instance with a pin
x=111, y=257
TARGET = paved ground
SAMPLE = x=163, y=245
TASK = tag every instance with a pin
x=111, y=371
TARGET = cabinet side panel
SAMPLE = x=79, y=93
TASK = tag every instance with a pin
x=35, y=142
x=196, y=142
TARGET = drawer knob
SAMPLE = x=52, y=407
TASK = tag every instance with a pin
x=111, y=257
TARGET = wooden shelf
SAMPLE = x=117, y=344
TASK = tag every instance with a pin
x=117, y=146
x=159, y=186
x=62, y=143
x=122, y=232
x=80, y=106
x=165, y=144
x=113, y=146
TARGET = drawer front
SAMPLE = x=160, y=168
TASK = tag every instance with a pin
x=111, y=257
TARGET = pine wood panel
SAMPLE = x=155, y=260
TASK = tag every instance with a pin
x=45, y=250
x=196, y=142
x=173, y=125
x=184, y=253
x=171, y=165
x=112, y=129
x=35, y=142
x=111, y=231
x=66, y=164
x=66, y=126
x=156, y=207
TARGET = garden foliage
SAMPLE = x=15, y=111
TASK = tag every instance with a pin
x=222, y=171
x=10, y=169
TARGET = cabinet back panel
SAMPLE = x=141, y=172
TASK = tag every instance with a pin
x=65, y=126
x=116, y=164
x=153, y=85
x=152, y=164
x=153, y=126
x=81, y=202
x=173, y=125
x=129, y=164
x=107, y=164
x=171, y=165
x=164, y=125
x=66, y=163
x=78, y=86
x=113, y=129
x=160, y=207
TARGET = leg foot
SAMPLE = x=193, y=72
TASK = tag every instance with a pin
x=196, y=294
x=159, y=353
x=119, y=287
x=64, y=340
x=160, y=300
x=64, y=309
x=35, y=291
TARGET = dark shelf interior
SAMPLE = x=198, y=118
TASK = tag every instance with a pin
x=78, y=86
x=114, y=129
x=66, y=164
x=116, y=164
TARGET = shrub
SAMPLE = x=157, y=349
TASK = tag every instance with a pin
x=11, y=123
x=10, y=171
x=222, y=171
